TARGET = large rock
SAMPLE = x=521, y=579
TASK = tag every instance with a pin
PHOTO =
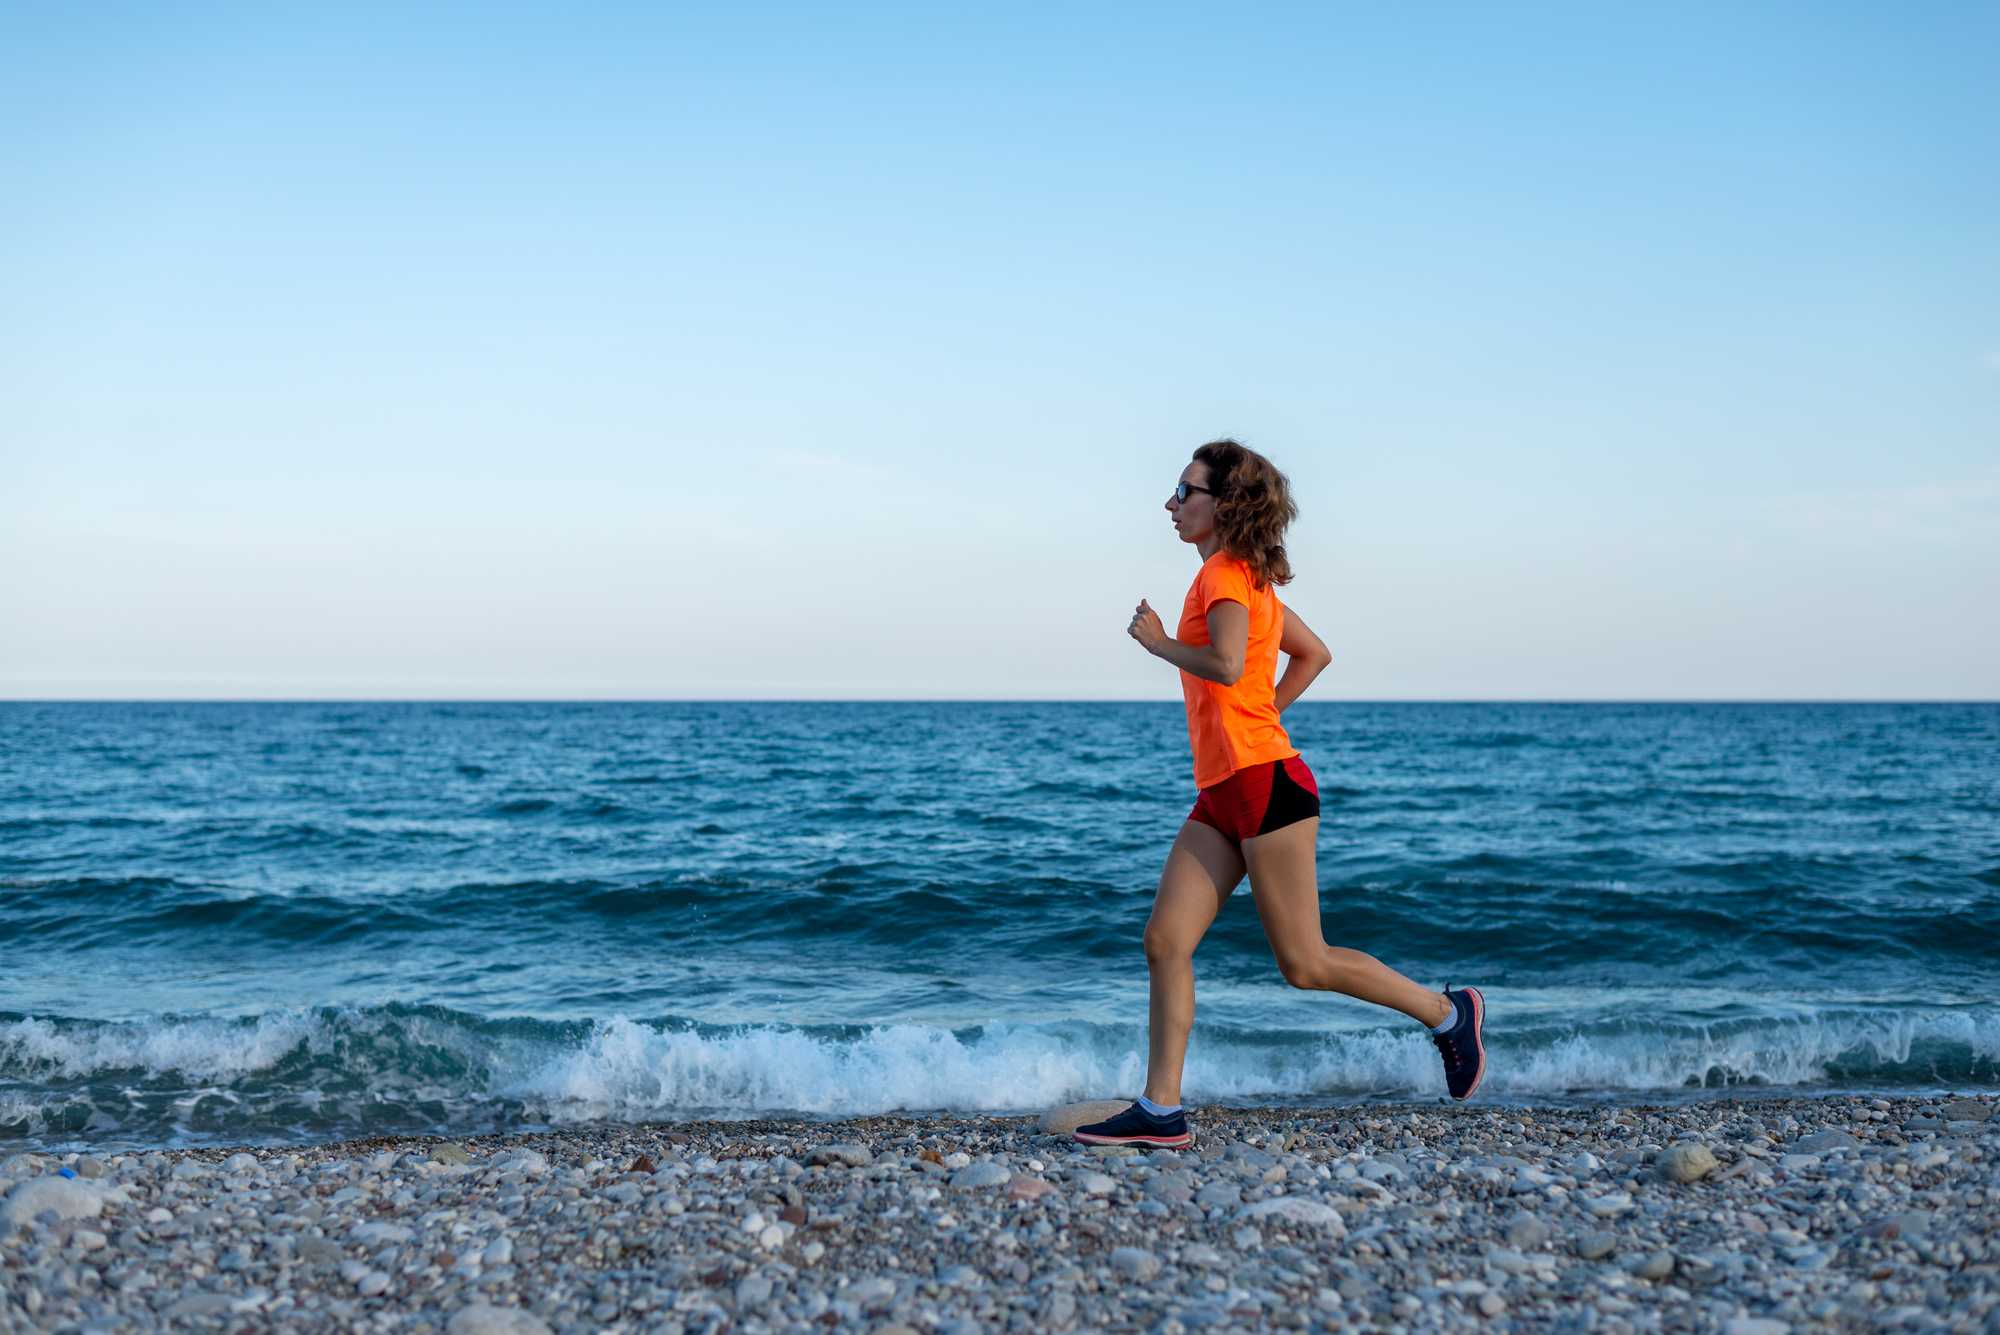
x=1822, y=1142
x=1061, y=1121
x=1967, y=1110
x=1686, y=1163
x=853, y=1156
x=70, y=1198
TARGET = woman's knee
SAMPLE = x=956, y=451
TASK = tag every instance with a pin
x=1314, y=970
x=1164, y=948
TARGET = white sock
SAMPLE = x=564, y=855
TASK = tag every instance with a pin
x=1157, y=1109
x=1448, y=1021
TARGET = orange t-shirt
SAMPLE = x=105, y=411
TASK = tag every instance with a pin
x=1231, y=727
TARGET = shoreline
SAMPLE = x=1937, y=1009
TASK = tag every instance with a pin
x=1707, y=1214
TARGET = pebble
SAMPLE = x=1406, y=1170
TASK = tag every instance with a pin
x=1021, y=1187
x=1686, y=1163
x=1294, y=1210
x=1135, y=1263
x=486, y=1319
x=1656, y=1266
x=873, y=1292
x=1446, y=1214
x=1527, y=1232
x=69, y=1198
x=1596, y=1245
x=985, y=1173
x=1219, y=1195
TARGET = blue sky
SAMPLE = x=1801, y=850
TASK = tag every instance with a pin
x=629, y=351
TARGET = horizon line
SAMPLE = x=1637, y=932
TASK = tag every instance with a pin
x=985, y=700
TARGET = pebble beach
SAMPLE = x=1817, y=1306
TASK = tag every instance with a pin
x=1746, y=1216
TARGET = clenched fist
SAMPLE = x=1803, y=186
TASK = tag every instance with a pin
x=1146, y=628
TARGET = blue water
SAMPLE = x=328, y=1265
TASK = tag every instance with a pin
x=283, y=922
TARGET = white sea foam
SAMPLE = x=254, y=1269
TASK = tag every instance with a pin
x=627, y=1070
x=622, y=1069
x=198, y=1047
x=216, y=1048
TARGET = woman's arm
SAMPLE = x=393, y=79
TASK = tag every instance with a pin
x=1220, y=660
x=1306, y=657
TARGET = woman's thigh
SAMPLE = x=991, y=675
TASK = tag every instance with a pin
x=1203, y=869
x=1284, y=880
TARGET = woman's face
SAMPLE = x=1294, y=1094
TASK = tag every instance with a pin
x=1194, y=518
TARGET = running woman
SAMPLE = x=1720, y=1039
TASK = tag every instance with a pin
x=1258, y=809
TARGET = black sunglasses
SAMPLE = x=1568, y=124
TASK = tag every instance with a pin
x=1182, y=489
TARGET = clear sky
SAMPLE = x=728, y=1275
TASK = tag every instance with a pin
x=649, y=351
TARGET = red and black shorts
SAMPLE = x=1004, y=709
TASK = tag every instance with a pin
x=1259, y=799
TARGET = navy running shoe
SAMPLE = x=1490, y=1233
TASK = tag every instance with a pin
x=1461, y=1046
x=1136, y=1126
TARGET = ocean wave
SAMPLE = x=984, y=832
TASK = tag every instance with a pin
x=314, y=1073
x=1562, y=925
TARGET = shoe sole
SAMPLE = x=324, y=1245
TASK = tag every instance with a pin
x=1478, y=1041
x=1160, y=1142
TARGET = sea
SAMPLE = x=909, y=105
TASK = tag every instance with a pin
x=280, y=923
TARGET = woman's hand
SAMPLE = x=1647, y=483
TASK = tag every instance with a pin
x=1146, y=628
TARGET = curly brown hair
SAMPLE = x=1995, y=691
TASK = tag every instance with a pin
x=1253, y=507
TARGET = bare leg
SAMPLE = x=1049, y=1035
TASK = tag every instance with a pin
x=1202, y=871
x=1286, y=886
